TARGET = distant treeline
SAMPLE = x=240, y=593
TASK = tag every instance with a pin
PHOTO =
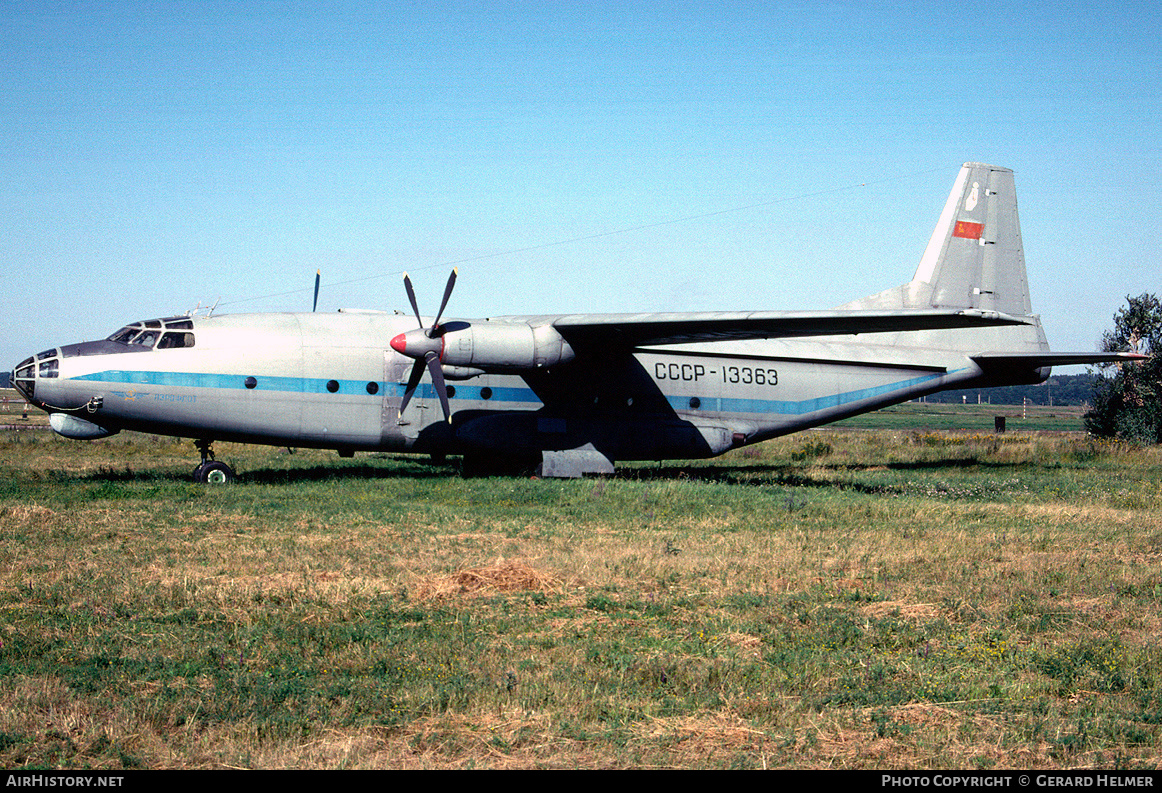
x=4, y=379
x=1069, y=389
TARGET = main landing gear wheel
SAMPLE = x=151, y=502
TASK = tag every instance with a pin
x=214, y=473
x=210, y=471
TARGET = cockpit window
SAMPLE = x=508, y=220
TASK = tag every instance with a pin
x=125, y=334
x=147, y=333
x=173, y=341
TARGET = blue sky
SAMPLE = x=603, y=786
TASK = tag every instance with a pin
x=569, y=157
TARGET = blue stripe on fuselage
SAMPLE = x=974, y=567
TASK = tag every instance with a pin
x=298, y=385
x=798, y=407
x=307, y=385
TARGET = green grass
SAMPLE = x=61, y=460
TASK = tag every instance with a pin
x=828, y=600
x=980, y=418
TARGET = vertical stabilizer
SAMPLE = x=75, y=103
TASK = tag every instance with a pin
x=974, y=258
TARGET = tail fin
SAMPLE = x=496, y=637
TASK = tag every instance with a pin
x=974, y=258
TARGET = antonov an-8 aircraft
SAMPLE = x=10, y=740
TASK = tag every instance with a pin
x=571, y=394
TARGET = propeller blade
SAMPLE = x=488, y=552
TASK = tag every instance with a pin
x=444, y=302
x=438, y=381
x=407, y=285
x=413, y=381
x=318, y=276
x=431, y=359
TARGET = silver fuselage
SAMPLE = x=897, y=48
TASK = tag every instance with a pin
x=333, y=381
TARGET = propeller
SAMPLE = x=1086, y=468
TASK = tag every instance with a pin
x=318, y=277
x=426, y=345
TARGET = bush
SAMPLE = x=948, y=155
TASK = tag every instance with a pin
x=1128, y=404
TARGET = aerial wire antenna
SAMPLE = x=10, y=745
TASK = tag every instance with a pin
x=595, y=236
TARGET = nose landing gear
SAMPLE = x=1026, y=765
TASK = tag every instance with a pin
x=210, y=471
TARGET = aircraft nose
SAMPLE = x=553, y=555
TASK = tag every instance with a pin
x=30, y=371
x=23, y=378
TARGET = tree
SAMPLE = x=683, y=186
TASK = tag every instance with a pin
x=1128, y=403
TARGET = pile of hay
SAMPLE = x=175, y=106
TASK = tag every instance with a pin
x=503, y=576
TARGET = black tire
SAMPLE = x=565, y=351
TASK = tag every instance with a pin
x=215, y=473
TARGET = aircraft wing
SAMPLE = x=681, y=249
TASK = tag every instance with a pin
x=635, y=330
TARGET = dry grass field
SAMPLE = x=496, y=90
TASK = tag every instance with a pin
x=835, y=599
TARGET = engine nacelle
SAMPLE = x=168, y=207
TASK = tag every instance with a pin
x=505, y=347
x=468, y=349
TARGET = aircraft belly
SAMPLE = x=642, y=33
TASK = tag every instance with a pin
x=529, y=433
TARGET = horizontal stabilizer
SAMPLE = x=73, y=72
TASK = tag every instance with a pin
x=635, y=330
x=1037, y=360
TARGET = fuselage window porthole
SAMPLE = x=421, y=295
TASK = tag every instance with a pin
x=373, y=388
x=332, y=386
x=250, y=382
x=695, y=403
x=451, y=391
x=486, y=393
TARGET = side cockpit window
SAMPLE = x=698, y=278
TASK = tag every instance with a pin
x=144, y=339
x=173, y=340
x=164, y=334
